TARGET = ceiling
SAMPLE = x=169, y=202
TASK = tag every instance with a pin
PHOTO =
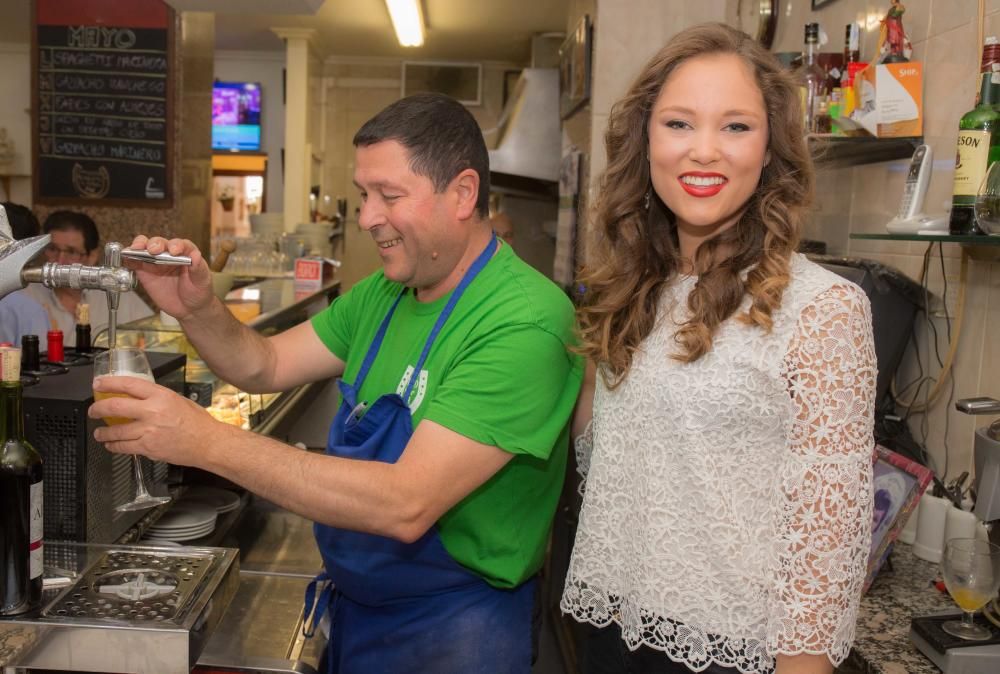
x=457, y=30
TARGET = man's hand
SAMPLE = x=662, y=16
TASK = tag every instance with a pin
x=181, y=291
x=165, y=426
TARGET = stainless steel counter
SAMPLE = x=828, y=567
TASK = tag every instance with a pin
x=262, y=630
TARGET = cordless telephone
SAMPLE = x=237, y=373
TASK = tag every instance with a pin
x=910, y=218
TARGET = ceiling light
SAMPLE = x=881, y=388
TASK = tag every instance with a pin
x=408, y=21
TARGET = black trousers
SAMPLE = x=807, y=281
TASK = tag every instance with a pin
x=604, y=652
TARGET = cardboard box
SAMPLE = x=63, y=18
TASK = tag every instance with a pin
x=890, y=99
x=312, y=273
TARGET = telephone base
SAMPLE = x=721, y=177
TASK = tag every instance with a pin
x=919, y=224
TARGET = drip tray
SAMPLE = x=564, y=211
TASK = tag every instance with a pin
x=130, y=609
x=136, y=587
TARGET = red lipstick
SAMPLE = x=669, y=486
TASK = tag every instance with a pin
x=702, y=190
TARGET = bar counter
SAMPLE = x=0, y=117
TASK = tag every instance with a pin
x=899, y=593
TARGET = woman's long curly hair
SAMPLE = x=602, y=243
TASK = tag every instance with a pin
x=633, y=253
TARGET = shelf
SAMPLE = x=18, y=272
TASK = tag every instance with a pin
x=840, y=151
x=972, y=240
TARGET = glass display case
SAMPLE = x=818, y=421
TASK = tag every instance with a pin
x=269, y=307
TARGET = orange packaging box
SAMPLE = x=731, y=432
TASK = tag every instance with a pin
x=890, y=99
x=311, y=273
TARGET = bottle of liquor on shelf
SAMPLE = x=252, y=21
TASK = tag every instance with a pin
x=20, y=498
x=978, y=143
x=82, y=328
x=812, y=79
x=852, y=50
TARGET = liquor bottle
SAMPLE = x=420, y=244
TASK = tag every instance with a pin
x=852, y=44
x=812, y=79
x=20, y=498
x=82, y=328
x=978, y=143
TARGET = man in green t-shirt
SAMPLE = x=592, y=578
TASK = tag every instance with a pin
x=446, y=457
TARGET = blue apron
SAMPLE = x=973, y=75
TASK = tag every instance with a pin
x=409, y=607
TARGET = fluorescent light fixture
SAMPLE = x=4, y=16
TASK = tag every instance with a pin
x=408, y=21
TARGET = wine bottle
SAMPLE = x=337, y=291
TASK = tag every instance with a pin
x=978, y=143
x=20, y=498
x=82, y=328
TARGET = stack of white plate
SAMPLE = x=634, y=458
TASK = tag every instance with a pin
x=222, y=500
x=184, y=521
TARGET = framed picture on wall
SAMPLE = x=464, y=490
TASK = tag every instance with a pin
x=574, y=69
x=817, y=4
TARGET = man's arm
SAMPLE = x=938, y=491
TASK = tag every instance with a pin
x=438, y=467
x=236, y=353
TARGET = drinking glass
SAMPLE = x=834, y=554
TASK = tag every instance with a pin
x=971, y=569
x=988, y=201
x=127, y=361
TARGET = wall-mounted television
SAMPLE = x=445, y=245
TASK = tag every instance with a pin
x=236, y=116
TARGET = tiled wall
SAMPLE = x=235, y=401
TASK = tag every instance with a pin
x=944, y=34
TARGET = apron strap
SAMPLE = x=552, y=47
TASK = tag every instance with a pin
x=472, y=272
x=313, y=610
x=376, y=343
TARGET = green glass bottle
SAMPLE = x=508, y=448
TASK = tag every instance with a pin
x=20, y=498
x=978, y=143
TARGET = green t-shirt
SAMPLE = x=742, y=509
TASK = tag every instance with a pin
x=499, y=373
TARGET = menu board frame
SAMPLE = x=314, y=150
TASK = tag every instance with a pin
x=105, y=16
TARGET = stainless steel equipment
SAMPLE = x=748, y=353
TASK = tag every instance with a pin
x=111, y=277
x=83, y=481
x=127, y=609
x=972, y=657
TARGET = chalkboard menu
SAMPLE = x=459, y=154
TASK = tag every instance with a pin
x=102, y=102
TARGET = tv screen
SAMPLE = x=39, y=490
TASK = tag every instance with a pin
x=236, y=116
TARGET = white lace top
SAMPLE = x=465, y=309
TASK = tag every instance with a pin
x=727, y=505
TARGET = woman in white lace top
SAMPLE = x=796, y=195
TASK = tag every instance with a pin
x=726, y=441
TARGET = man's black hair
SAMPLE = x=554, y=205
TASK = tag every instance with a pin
x=440, y=134
x=73, y=221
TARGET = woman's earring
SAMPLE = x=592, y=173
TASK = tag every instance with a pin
x=645, y=201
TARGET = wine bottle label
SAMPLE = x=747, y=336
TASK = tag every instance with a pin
x=35, y=530
x=971, y=162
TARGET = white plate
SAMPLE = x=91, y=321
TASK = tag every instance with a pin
x=182, y=530
x=185, y=515
x=184, y=537
x=222, y=500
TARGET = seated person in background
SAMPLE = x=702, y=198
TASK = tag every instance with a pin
x=75, y=239
x=19, y=313
x=503, y=226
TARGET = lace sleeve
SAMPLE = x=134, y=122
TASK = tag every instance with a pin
x=823, y=509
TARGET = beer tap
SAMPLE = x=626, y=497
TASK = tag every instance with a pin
x=112, y=277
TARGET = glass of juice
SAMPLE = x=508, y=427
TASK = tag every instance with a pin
x=971, y=570
x=127, y=362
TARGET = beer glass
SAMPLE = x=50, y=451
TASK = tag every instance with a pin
x=971, y=570
x=127, y=362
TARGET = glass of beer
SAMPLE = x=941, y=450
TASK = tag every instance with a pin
x=971, y=570
x=127, y=362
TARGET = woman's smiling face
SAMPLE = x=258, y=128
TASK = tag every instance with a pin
x=708, y=142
